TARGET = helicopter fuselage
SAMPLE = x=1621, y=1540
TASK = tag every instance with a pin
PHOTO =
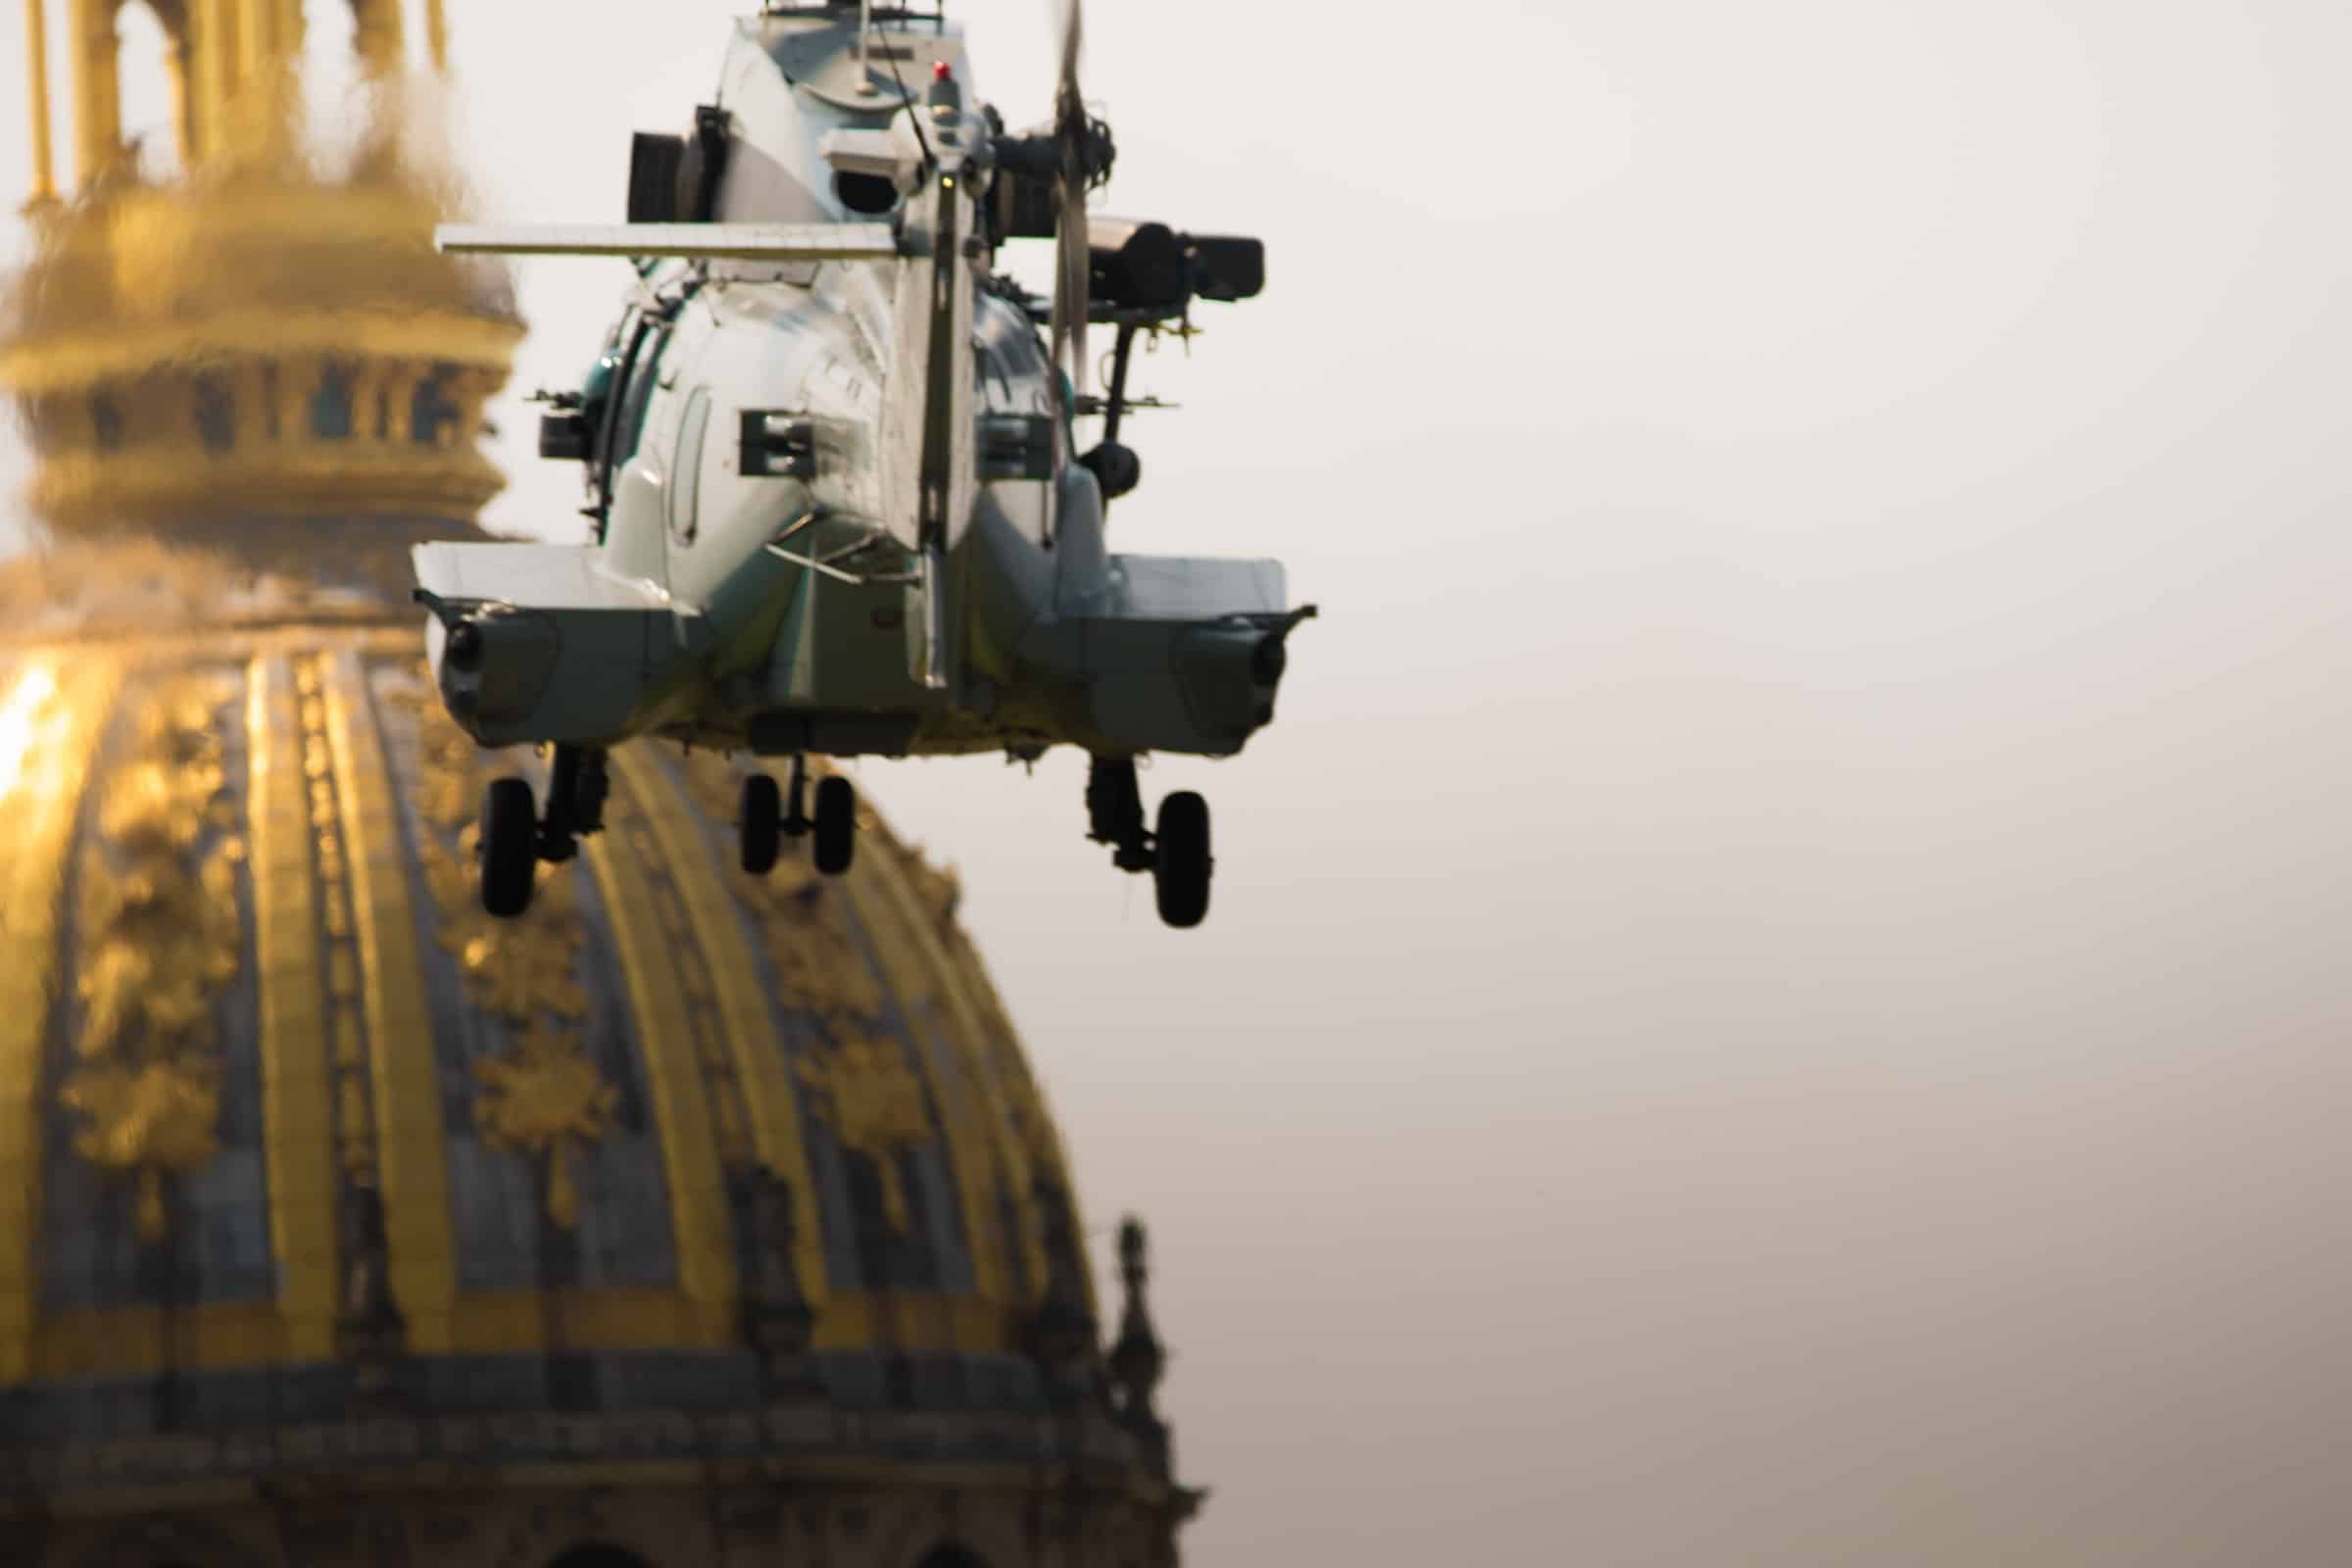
x=838, y=506
x=764, y=575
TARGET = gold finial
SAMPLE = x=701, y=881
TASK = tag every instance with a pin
x=253, y=340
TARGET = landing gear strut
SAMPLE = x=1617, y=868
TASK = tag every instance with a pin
x=1114, y=811
x=769, y=815
x=1177, y=855
x=515, y=838
x=577, y=787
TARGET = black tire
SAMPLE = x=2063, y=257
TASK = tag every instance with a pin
x=836, y=825
x=509, y=846
x=760, y=826
x=1181, y=871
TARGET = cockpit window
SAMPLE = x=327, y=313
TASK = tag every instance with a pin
x=627, y=389
x=642, y=375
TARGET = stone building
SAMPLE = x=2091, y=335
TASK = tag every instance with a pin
x=692, y=1220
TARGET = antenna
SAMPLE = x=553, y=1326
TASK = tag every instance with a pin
x=866, y=44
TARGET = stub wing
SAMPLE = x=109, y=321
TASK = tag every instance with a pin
x=531, y=642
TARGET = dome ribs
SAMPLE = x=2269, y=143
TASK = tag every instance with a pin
x=413, y=1160
x=49, y=725
x=772, y=1101
x=981, y=1089
x=698, y=1213
x=298, y=1072
x=960, y=1116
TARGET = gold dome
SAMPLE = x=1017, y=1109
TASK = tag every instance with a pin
x=250, y=346
x=689, y=1184
x=253, y=338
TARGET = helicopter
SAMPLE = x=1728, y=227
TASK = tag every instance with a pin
x=831, y=459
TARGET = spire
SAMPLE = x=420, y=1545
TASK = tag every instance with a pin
x=1137, y=1359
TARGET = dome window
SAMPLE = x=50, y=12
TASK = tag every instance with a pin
x=216, y=414
x=331, y=404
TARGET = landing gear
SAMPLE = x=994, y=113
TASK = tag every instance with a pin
x=577, y=787
x=1177, y=855
x=769, y=816
x=515, y=837
x=1180, y=872
x=509, y=846
x=836, y=825
x=761, y=823
x=1114, y=811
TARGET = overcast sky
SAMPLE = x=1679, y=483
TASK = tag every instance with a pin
x=1777, y=993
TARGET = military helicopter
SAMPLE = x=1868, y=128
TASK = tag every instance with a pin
x=832, y=468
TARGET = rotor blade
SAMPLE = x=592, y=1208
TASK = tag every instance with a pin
x=1062, y=331
x=1058, y=334
x=1066, y=99
x=753, y=242
x=1075, y=257
x=1070, y=259
x=1071, y=266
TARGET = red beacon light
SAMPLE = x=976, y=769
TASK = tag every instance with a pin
x=946, y=96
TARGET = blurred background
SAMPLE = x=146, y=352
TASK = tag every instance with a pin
x=1777, y=993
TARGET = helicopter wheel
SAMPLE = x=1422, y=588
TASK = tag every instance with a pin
x=760, y=825
x=1181, y=871
x=836, y=825
x=509, y=846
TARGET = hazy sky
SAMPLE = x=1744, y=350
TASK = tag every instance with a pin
x=1777, y=995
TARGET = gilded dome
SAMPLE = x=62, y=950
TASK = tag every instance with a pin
x=688, y=1183
x=258, y=335
x=263, y=341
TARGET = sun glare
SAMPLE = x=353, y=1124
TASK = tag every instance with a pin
x=18, y=714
